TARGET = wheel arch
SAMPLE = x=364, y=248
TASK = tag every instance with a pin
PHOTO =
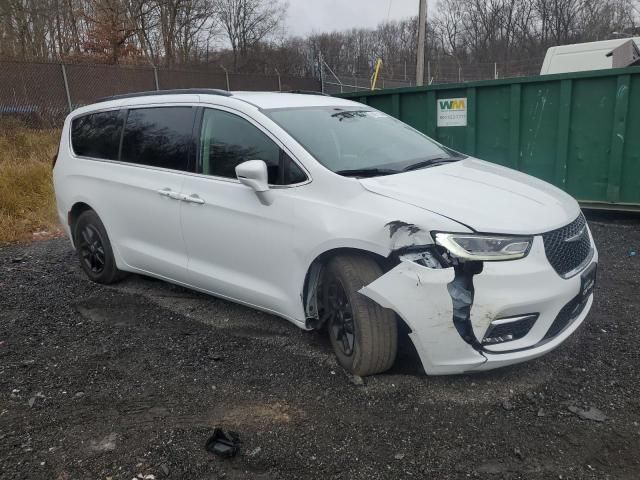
x=78, y=208
x=314, y=273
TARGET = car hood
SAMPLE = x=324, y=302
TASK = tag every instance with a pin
x=481, y=195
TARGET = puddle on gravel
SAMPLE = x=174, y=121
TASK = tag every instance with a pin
x=123, y=311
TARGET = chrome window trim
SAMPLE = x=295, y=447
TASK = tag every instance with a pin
x=179, y=172
x=129, y=164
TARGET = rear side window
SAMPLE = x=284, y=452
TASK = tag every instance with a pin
x=227, y=140
x=158, y=137
x=97, y=135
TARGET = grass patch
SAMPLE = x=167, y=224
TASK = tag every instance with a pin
x=27, y=201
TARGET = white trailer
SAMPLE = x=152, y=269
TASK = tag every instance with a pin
x=580, y=57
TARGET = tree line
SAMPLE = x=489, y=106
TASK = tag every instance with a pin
x=250, y=36
x=468, y=32
x=162, y=32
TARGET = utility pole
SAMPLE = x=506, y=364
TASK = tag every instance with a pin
x=321, y=65
x=422, y=31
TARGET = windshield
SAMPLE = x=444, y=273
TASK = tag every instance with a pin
x=358, y=141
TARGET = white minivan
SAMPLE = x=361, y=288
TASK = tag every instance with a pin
x=330, y=214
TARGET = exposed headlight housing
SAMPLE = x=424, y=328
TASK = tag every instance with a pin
x=485, y=247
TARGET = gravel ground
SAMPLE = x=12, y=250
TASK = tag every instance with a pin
x=130, y=380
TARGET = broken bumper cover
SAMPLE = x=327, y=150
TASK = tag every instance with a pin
x=419, y=295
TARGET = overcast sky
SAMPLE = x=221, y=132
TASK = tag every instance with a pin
x=307, y=16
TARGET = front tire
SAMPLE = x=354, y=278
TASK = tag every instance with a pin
x=364, y=335
x=94, y=249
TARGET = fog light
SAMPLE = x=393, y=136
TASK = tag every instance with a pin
x=508, y=329
x=494, y=340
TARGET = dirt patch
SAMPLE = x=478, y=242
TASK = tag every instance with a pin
x=130, y=380
x=260, y=415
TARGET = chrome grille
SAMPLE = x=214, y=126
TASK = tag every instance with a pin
x=568, y=247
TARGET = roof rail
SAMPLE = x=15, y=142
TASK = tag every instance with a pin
x=306, y=92
x=176, y=91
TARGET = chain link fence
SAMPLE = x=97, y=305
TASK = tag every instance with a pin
x=41, y=94
x=436, y=72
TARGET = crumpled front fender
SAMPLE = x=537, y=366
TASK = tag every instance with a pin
x=420, y=297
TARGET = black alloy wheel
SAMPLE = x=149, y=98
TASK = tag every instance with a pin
x=92, y=249
x=364, y=335
x=339, y=316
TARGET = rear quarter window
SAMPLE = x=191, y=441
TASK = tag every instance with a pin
x=97, y=135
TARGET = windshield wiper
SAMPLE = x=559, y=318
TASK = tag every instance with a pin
x=431, y=162
x=366, y=172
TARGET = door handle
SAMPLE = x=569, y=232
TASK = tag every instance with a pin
x=167, y=192
x=193, y=198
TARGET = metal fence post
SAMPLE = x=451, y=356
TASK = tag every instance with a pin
x=66, y=86
x=155, y=77
x=226, y=74
x=332, y=73
x=321, y=65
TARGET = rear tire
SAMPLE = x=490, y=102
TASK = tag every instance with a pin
x=94, y=249
x=364, y=335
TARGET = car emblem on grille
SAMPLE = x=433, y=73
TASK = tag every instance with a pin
x=577, y=236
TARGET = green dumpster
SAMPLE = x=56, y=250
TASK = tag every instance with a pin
x=579, y=131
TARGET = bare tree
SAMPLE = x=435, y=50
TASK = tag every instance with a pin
x=467, y=33
x=248, y=22
x=111, y=31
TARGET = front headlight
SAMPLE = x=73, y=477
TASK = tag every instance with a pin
x=484, y=247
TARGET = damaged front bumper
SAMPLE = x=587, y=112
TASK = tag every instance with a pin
x=451, y=339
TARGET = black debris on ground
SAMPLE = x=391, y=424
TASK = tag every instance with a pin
x=131, y=380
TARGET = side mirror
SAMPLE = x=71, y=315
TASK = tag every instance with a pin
x=253, y=173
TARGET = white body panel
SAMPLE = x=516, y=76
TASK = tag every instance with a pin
x=471, y=191
x=419, y=295
x=146, y=224
x=236, y=246
x=581, y=57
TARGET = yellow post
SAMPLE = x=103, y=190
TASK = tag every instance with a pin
x=374, y=79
